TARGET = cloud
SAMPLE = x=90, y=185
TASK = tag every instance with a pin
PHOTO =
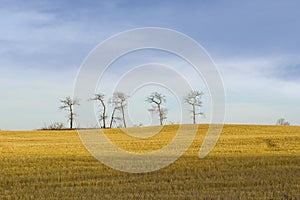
x=42, y=44
x=256, y=85
x=258, y=74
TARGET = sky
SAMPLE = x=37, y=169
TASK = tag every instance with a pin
x=254, y=44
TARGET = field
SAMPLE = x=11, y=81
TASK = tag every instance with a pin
x=248, y=162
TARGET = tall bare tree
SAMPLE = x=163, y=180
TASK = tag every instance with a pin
x=100, y=97
x=157, y=100
x=194, y=99
x=67, y=104
x=119, y=102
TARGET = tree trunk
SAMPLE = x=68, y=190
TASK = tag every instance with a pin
x=160, y=115
x=194, y=114
x=71, y=117
x=112, y=117
x=104, y=113
x=124, y=122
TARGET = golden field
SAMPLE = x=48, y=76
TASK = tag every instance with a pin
x=248, y=162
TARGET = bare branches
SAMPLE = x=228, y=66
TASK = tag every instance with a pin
x=119, y=102
x=194, y=99
x=67, y=104
x=158, y=99
x=100, y=97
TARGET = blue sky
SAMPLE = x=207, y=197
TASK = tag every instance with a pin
x=255, y=45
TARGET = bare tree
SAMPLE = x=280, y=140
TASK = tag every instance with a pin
x=100, y=97
x=157, y=99
x=119, y=102
x=67, y=104
x=194, y=99
x=282, y=122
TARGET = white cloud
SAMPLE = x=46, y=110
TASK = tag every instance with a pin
x=255, y=94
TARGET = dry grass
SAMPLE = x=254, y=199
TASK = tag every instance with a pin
x=249, y=162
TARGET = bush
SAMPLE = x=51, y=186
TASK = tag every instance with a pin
x=54, y=126
x=282, y=122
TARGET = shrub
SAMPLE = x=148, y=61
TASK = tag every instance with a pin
x=54, y=126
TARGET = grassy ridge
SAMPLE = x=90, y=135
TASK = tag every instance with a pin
x=249, y=162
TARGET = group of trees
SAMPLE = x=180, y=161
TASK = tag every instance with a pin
x=119, y=102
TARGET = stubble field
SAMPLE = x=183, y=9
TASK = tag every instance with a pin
x=248, y=162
